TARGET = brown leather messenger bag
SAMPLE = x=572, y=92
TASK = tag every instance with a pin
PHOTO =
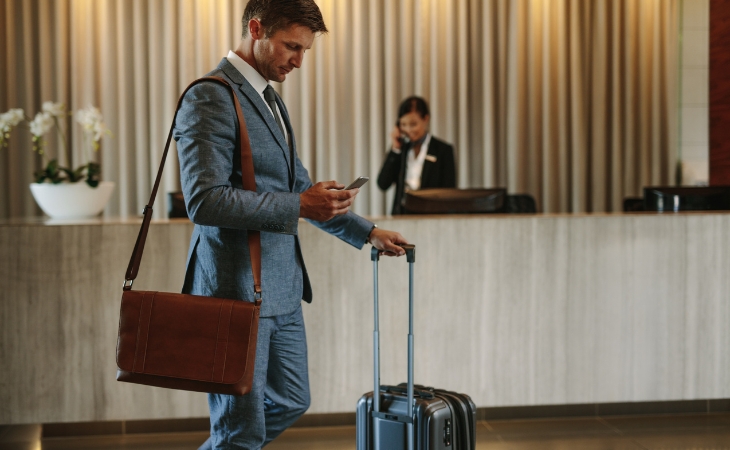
x=191, y=342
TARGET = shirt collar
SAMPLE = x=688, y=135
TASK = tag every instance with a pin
x=422, y=153
x=424, y=146
x=252, y=76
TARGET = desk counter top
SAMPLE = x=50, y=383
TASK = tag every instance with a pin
x=46, y=221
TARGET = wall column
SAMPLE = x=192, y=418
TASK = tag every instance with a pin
x=719, y=92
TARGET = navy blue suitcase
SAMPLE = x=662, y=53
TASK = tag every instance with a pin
x=437, y=419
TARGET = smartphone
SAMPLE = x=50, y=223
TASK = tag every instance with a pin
x=357, y=183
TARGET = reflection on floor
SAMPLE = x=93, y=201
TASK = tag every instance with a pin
x=695, y=431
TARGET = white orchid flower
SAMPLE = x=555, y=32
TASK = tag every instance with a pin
x=12, y=117
x=91, y=120
x=54, y=109
x=8, y=120
x=41, y=124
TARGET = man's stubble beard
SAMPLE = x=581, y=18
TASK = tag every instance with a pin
x=265, y=62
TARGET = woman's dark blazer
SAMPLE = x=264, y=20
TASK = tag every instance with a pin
x=440, y=173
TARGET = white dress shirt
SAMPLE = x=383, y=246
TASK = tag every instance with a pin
x=414, y=165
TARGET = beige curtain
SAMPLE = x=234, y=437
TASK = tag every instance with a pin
x=571, y=101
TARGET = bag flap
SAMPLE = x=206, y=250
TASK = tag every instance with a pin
x=186, y=336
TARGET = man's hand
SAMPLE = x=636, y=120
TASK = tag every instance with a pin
x=387, y=242
x=325, y=200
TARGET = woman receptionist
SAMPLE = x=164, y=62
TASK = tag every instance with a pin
x=416, y=159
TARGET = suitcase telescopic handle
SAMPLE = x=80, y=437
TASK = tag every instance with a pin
x=409, y=248
x=411, y=258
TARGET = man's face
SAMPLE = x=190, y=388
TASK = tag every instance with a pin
x=281, y=53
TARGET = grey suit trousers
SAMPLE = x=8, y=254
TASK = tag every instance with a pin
x=280, y=393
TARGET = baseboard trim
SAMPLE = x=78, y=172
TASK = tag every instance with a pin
x=605, y=409
x=201, y=424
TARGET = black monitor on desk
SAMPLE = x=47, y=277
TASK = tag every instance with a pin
x=686, y=198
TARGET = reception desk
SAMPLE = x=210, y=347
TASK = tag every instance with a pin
x=514, y=310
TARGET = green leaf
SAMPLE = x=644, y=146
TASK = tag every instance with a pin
x=70, y=175
x=40, y=176
x=93, y=174
x=52, y=168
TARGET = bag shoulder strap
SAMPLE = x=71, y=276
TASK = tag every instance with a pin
x=249, y=184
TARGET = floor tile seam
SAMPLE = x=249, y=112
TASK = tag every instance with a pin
x=129, y=436
x=604, y=422
x=717, y=414
x=559, y=434
x=545, y=419
x=485, y=424
x=681, y=428
x=639, y=444
x=602, y=441
x=576, y=422
x=677, y=427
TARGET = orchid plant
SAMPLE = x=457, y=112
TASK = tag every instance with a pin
x=48, y=119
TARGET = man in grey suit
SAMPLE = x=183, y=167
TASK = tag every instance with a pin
x=276, y=33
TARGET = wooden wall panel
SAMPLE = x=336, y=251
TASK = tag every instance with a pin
x=719, y=92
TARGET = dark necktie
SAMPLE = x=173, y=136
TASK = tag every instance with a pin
x=270, y=97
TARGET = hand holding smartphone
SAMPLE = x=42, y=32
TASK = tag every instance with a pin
x=357, y=183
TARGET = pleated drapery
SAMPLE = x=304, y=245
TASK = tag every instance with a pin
x=571, y=101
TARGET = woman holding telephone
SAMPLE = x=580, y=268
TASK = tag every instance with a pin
x=416, y=159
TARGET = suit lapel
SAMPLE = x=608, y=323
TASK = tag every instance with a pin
x=263, y=109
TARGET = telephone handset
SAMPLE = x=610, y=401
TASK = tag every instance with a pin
x=403, y=138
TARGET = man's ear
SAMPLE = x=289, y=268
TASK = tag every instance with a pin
x=255, y=29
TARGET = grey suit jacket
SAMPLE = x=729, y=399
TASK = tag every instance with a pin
x=210, y=172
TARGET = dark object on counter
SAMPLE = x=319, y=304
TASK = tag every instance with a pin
x=521, y=204
x=673, y=199
x=176, y=206
x=455, y=201
x=632, y=204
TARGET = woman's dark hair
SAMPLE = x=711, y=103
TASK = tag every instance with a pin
x=276, y=15
x=413, y=104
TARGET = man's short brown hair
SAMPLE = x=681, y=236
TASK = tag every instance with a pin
x=276, y=15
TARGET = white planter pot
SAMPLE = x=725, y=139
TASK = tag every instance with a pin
x=71, y=200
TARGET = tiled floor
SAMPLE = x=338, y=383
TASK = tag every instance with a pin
x=697, y=431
